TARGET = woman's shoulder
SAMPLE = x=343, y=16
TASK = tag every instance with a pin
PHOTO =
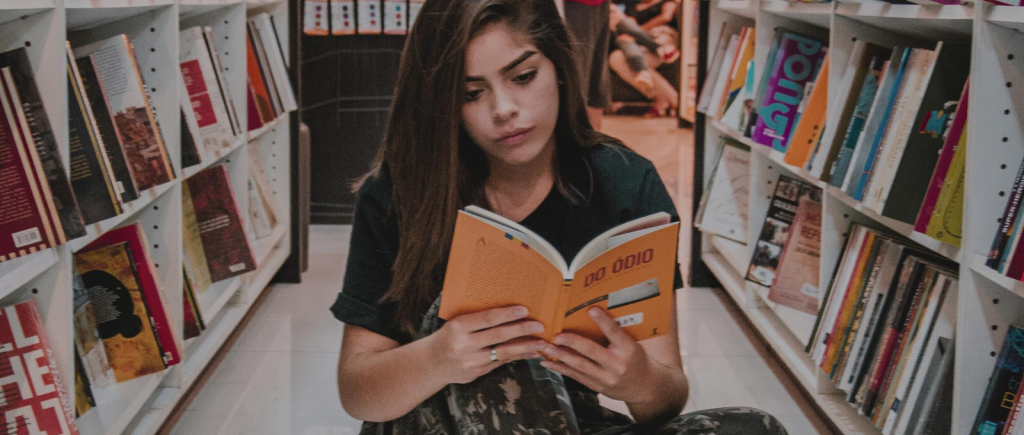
x=617, y=163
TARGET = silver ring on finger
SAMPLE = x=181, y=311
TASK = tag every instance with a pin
x=494, y=354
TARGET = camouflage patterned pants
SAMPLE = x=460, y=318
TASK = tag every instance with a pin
x=524, y=398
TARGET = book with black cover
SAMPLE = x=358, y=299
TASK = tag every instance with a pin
x=44, y=141
x=90, y=177
x=97, y=100
x=1006, y=377
x=775, y=230
x=933, y=119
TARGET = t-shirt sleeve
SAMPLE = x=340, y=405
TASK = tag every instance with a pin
x=372, y=250
x=655, y=198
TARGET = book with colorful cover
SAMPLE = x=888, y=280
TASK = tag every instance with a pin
x=903, y=195
x=876, y=138
x=888, y=89
x=1006, y=377
x=946, y=223
x=131, y=111
x=221, y=229
x=260, y=97
x=865, y=100
x=811, y=123
x=260, y=51
x=99, y=109
x=951, y=142
x=27, y=225
x=145, y=272
x=775, y=231
x=852, y=295
x=724, y=74
x=36, y=130
x=715, y=67
x=738, y=78
x=35, y=395
x=796, y=283
x=90, y=176
x=1008, y=223
x=88, y=345
x=797, y=62
x=629, y=271
x=122, y=317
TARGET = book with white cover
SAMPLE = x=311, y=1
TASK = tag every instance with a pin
x=715, y=66
x=204, y=93
x=725, y=211
x=722, y=79
x=225, y=91
x=276, y=63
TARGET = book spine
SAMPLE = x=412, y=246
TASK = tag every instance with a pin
x=1009, y=217
x=89, y=178
x=945, y=160
x=893, y=372
x=1004, y=382
x=873, y=143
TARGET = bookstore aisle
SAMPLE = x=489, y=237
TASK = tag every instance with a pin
x=278, y=377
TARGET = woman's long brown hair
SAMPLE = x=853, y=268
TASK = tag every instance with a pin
x=435, y=168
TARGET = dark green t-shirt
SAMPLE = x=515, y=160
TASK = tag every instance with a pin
x=625, y=186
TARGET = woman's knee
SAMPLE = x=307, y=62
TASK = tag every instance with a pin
x=724, y=421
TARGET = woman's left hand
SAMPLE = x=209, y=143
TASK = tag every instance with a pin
x=619, y=370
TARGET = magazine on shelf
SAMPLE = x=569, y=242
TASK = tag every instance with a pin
x=775, y=231
x=629, y=270
x=784, y=91
x=219, y=222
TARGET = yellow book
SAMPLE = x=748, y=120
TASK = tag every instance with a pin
x=739, y=74
x=946, y=224
x=121, y=316
x=629, y=271
x=812, y=122
x=853, y=294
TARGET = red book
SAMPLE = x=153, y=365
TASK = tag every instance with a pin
x=942, y=168
x=1015, y=267
x=148, y=284
x=35, y=395
x=225, y=243
x=26, y=224
x=253, y=112
x=256, y=84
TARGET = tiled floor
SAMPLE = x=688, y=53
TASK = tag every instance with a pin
x=279, y=376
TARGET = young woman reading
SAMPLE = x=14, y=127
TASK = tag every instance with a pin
x=489, y=111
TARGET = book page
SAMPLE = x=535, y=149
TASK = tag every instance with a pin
x=490, y=268
x=617, y=236
x=633, y=282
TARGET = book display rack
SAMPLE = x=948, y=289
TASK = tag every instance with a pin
x=988, y=302
x=44, y=28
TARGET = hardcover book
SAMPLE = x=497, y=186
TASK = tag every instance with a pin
x=35, y=396
x=36, y=131
x=629, y=271
x=122, y=320
x=90, y=175
x=145, y=273
x=130, y=109
x=225, y=244
x=204, y=93
x=25, y=218
x=105, y=129
x=798, y=61
x=775, y=230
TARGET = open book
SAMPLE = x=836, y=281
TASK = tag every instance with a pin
x=629, y=271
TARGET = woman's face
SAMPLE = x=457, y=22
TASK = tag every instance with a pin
x=511, y=97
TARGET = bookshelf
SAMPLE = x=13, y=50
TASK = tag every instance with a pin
x=987, y=301
x=142, y=405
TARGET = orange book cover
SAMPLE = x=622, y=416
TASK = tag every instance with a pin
x=853, y=294
x=739, y=73
x=259, y=91
x=812, y=122
x=628, y=271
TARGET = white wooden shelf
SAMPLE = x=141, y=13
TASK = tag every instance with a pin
x=743, y=8
x=928, y=22
x=769, y=153
x=815, y=14
x=1012, y=285
x=1007, y=16
x=140, y=406
x=735, y=253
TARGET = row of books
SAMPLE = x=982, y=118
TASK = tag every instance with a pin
x=121, y=325
x=116, y=150
x=1007, y=252
x=885, y=331
x=896, y=140
x=210, y=122
x=363, y=17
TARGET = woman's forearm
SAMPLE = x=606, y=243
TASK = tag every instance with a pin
x=382, y=386
x=668, y=392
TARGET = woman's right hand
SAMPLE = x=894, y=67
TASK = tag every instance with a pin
x=462, y=347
